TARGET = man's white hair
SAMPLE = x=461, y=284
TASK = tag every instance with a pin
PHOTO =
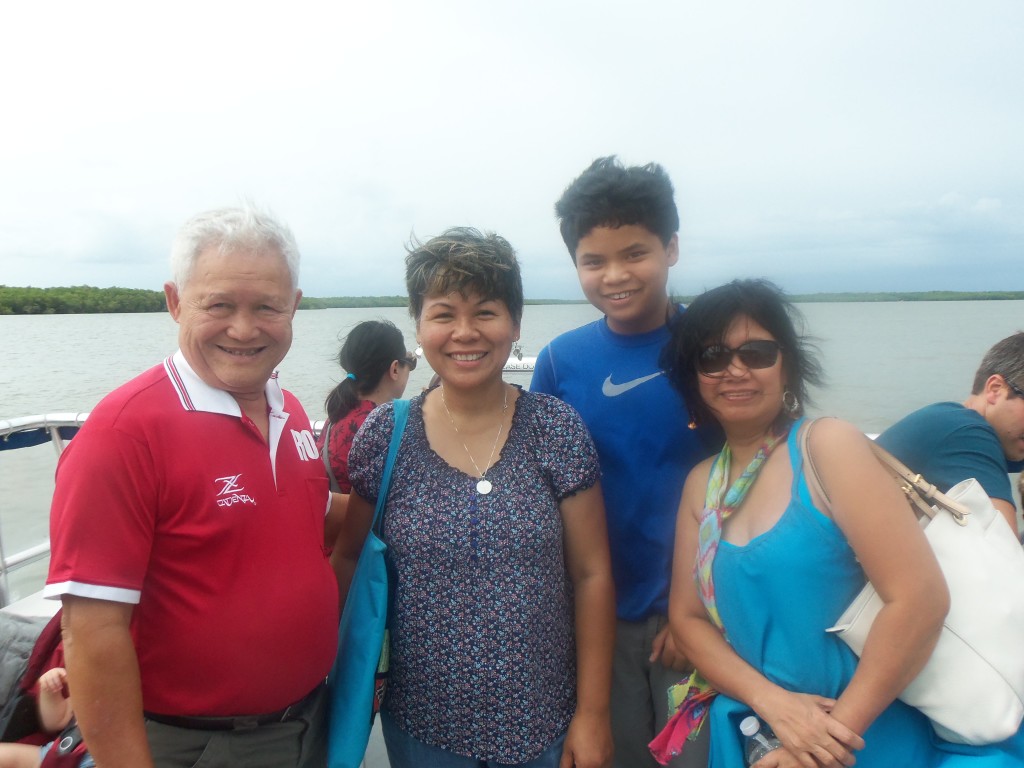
x=246, y=228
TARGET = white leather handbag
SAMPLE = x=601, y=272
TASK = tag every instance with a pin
x=972, y=687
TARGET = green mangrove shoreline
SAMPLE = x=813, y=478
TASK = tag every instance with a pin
x=84, y=299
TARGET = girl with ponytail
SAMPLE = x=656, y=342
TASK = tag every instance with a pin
x=377, y=368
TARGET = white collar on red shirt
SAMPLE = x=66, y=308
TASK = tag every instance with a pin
x=196, y=395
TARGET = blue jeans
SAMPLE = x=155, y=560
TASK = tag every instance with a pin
x=406, y=751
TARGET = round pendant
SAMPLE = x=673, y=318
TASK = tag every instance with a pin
x=484, y=486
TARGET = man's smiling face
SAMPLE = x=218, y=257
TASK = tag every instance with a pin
x=235, y=318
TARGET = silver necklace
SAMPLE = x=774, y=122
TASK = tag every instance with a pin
x=483, y=485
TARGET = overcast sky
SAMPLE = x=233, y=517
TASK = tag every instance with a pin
x=868, y=145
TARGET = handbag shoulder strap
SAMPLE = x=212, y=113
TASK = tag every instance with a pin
x=325, y=455
x=920, y=494
x=401, y=412
x=811, y=475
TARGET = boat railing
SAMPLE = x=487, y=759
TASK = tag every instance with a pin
x=26, y=432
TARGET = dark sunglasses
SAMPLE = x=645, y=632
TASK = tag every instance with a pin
x=410, y=360
x=758, y=353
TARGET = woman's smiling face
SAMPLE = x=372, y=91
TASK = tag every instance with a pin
x=740, y=394
x=466, y=338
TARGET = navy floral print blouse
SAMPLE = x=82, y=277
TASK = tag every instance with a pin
x=482, y=644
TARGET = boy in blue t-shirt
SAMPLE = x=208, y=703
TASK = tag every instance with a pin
x=620, y=226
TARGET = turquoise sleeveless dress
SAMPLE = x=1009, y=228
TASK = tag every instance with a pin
x=776, y=595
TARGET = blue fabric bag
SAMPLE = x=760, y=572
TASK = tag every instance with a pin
x=362, y=632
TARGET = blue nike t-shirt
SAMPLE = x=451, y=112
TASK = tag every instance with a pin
x=640, y=427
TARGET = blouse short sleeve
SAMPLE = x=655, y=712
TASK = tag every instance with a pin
x=563, y=445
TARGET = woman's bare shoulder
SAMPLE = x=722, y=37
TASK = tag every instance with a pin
x=833, y=435
x=695, y=487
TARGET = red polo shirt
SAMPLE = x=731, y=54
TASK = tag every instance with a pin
x=171, y=499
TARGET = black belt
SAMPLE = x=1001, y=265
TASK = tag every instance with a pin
x=236, y=723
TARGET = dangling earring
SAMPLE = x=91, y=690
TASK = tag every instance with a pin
x=791, y=403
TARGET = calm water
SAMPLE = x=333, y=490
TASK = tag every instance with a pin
x=881, y=361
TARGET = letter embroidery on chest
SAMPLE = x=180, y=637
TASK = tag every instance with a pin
x=231, y=491
x=305, y=444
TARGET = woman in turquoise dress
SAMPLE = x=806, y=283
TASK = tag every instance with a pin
x=775, y=565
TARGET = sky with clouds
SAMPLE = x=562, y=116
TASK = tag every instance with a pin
x=829, y=146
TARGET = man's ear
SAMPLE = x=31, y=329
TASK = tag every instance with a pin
x=994, y=386
x=173, y=300
x=672, y=249
x=298, y=300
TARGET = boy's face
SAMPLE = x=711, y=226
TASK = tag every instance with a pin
x=624, y=273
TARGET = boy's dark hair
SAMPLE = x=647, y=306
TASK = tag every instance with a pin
x=609, y=194
x=464, y=259
x=1006, y=358
x=707, y=319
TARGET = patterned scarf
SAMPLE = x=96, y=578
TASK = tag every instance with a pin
x=691, y=698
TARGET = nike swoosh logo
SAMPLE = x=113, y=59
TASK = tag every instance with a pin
x=609, y=389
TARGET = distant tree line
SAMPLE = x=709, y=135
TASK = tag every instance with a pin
x=349, y=302
x=84, y=299
x=353, y=302
x=78, y=299
x=915, y=296
x=824, y=298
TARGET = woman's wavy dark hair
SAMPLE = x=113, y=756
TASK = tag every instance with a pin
x=367, y=353
x=706, y=321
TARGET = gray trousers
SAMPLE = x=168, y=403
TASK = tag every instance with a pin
x=301, y=743
x=639, y=705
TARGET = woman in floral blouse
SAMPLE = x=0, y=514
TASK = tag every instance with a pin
x=503, y=612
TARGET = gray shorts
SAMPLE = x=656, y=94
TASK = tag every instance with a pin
x=639, y=704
